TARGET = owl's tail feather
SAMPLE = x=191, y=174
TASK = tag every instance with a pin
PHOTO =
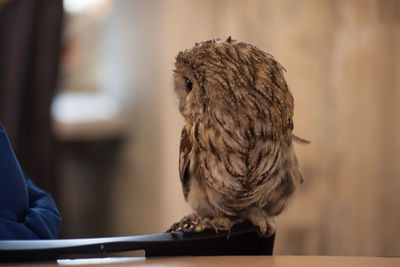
x=300, y=140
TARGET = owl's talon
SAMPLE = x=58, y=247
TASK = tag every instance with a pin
x=195, y=223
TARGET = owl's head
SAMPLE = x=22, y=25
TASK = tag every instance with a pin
x=230, y=77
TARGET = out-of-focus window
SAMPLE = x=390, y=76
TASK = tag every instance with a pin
x=88, y=104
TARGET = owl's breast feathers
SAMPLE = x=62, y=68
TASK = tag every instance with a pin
x=238, y=166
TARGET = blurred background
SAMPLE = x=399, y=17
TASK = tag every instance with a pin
x=86, y=95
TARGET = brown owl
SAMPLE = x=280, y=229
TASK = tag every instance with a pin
x=237, y=160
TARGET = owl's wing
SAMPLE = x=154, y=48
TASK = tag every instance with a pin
x=184, y=163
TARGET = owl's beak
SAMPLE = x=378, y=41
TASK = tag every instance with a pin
x=181, y=107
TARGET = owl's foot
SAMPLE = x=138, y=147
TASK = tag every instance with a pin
x=195, y=223
x=185, y=223
x=262, y=220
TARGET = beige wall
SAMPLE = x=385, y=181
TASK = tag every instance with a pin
x=342, y=60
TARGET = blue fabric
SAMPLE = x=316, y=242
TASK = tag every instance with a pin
x=13, y=190
x=26, y=212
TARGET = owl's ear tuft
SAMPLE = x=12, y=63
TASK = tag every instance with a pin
x=229, y=40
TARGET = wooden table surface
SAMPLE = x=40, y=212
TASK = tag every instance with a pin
x=220, y=261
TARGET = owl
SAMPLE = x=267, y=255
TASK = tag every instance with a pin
x=237, y=161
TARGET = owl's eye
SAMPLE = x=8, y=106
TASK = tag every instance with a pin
x=189, y=85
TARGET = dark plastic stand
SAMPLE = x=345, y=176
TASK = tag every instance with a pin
x=243, y=240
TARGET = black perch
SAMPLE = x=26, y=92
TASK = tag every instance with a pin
x=243, y=240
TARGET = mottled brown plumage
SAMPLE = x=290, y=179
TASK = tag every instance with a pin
x=236, y=154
